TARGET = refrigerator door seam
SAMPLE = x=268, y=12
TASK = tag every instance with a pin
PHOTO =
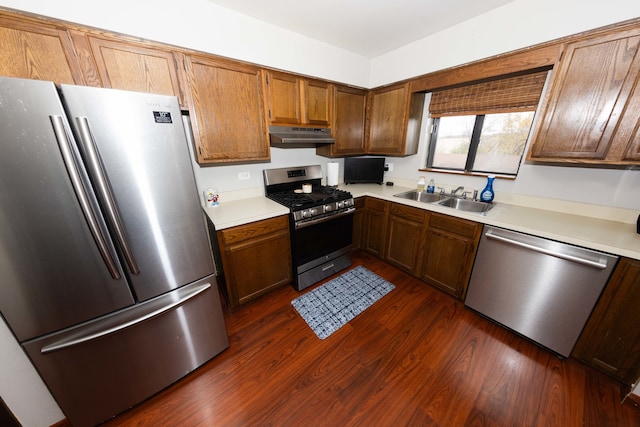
x=63, y=142
x=86, y=138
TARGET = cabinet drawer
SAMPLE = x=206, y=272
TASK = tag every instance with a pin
x=376, y=204
x=359, y=202
x=461, y=227
x=254, y=229
x=408, y=212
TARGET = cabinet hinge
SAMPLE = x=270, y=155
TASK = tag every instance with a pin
x=269, y=114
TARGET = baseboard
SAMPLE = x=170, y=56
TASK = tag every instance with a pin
x=631, y=399
x=62, y=423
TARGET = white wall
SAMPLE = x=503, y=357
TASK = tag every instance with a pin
x=21, y=387
x=200, y=25
x=516, y=25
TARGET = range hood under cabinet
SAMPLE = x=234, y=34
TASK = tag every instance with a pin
x=297, y=137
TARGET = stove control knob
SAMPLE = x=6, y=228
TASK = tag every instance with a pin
x=313, y=212
x=327, y=208
x=341, y=204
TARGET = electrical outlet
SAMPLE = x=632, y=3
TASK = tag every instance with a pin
x=388, y=167
x=244, y=175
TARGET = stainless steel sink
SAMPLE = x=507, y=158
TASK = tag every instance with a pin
x=420, y=196
x=466, y=205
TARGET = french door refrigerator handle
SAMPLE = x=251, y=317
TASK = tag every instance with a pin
x=64, y=143
x=148, y=310
x=598, y=265
x=88, y=143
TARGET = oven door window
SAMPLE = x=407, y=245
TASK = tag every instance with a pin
x=321, y=239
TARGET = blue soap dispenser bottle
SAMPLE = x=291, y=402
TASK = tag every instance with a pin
x=487, y=193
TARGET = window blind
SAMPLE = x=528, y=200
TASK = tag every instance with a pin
x=510, y=94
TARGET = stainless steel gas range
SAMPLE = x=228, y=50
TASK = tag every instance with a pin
x=321, y=221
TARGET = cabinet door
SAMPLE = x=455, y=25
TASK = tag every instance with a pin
x=625, y=146
x=348, y=124
x=358, y=223
x=226, y=103
x=395, y=118
x=131, y=66
x=376, y=226
x=283, y=98
x=256, y=258
x=610, y=341
x=588, y=96
x=404, y=236
x=318, y=97
x=387, y=118
x=450, y=248
x=40, y=52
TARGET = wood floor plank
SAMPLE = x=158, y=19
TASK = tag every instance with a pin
x=417, y=357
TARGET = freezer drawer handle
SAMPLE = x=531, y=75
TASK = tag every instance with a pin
x=152, y=311
x=87, y=140
x=598, y=265
x=76, y=182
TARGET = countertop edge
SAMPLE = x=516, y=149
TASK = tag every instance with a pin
x=618, y=238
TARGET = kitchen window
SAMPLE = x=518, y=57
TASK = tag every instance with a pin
x=483, y=128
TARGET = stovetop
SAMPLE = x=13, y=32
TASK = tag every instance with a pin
x=320, y=195
x=284, y=185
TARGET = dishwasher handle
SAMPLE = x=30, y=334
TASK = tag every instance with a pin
x=599, y=265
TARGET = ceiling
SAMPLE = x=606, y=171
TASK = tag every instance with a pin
x=366, y=27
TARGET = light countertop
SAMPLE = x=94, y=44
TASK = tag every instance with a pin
x=616, y=237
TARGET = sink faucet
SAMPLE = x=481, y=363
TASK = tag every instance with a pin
x=453, y=192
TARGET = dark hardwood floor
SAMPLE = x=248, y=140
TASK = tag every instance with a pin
x=417, y=357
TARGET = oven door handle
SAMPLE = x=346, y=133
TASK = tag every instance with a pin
x=308, y=223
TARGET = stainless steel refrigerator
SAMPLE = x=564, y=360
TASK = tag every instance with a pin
x=106, y=274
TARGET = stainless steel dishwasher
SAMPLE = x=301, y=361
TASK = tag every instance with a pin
x=542, y=289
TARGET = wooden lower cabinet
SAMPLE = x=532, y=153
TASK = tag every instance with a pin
x=450, y=249
x=256, y=258
x=439, y=249
x=610, y=341
x=406, y=227
x=358, y=223
x=375, y=226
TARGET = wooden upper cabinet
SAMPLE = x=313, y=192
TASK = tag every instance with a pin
x=128, y=65
x=226, y=110
x=317, y=97
x=294, y=101
x=591, y=112
x=37, y=51
x=348, y=125
x=395, y=117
